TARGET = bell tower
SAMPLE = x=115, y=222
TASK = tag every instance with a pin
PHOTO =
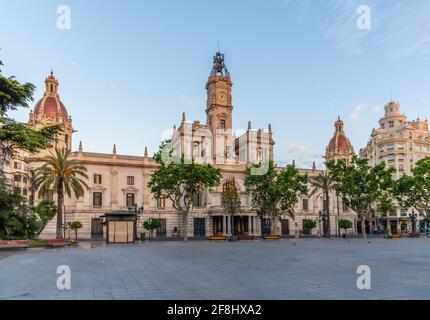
x=219, y=105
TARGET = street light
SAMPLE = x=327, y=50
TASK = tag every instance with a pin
x=138, y=212
x=413, y=216
x=325, y=227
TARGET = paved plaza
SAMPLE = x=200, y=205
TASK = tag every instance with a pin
x=285, y=269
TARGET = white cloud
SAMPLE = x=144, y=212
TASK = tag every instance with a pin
x=297, y=148
x=400, y=29
x=356, y=113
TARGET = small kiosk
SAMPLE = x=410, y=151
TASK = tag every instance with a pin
x=120, y=227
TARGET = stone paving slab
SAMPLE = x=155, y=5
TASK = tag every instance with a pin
x=285, y=269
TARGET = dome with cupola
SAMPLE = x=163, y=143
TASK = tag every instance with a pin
x=50, y=106
x=339, y=147
x=50, y=110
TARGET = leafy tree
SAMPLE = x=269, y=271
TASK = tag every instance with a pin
x=345, y=224
x=386, y=203
x=230, y=201
x=276, y=192
x=323, y=185
x=181, y=182
x=151, y=225
x=414, y=191
x=310, y=224
x=360, y=185
x=75, y=226
x=15, y=135
x=46, y=211
x=62, y=175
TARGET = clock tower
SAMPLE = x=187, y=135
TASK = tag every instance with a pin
x=219, y=100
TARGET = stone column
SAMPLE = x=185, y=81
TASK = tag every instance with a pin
x=114, y=189
x=249, y=225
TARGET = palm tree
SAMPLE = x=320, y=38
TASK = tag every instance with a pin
x=62, y=175
x=230, y=202
x=323, y=185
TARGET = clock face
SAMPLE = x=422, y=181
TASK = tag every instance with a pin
x=222, y=96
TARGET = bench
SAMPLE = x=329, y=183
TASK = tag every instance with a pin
x=57, y=243
x=246, y=237
x=414, y=235
x=13, y=245
x=396, y=235
x=272, y=237
x=217, y=238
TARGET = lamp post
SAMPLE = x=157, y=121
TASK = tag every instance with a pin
x=319, y=224
x=138, y=212
x=64, y=221
x=413, y=216
x=325, y=227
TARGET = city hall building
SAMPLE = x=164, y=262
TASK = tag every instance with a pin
x=120, y=182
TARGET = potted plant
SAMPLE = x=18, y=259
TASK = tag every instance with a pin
x=75, y=226
x=150, y=225
x=309, y=224
x=345, y=224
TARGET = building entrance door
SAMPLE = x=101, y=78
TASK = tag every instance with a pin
x=265, y=227
x=96, y=228
x=240, y=226
x=199, y=227
x=285, y=227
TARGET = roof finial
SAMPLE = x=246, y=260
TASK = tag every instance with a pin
x=314, y=166
x=146, y=151
x=270, y=127
x=249, y=125
x=183, y=117
x=114, y=149
x=80, y=146
x=294, y=162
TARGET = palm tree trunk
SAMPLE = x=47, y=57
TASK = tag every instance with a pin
x=185, y=214
x=328, y=216
x=60, y=210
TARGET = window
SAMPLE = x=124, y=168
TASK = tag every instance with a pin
x=24, y=192
x=17, y=165
x=130, y=200
x=161, y=202
x=130, y=180
x=24, y=179
x=98, y=179
x=197, y=202
x=196, y=149
x=305, y=204
x=222, y=124
x=162, y=231
x=97, y=199
x=17, y=178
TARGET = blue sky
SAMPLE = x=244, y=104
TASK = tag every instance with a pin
x=128, y=69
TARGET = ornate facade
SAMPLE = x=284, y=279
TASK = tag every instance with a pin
x=400, y=144
x=339, y=147
x=119, y=182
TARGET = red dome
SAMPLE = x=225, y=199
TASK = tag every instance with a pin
x=51, y=107
x=339, y=143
